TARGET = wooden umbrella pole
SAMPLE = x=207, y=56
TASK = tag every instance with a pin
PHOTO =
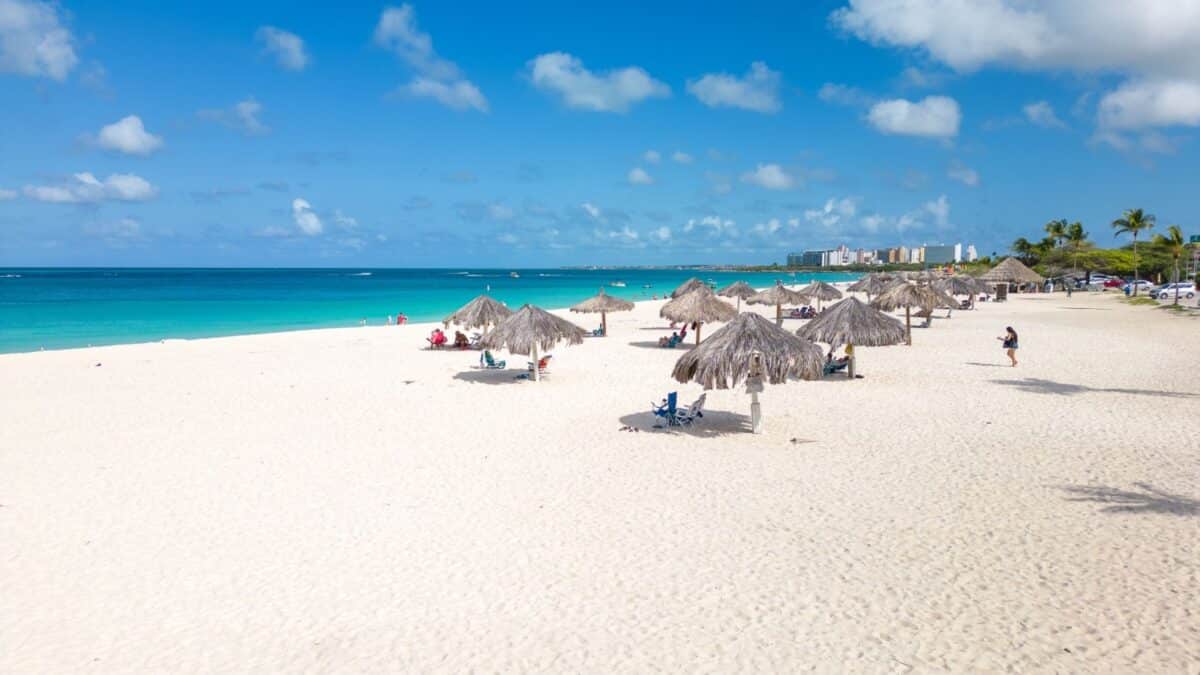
x=699, y=325
x=604, y=323
x=907, y=326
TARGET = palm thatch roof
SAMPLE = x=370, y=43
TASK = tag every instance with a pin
x=532, y=326
x=724, y=360
x=905, y=294
x=602, y=302
x=778, y=295
x=854, y=322
x=1011, y=271
x=688, y=286
x=957, y=285
x=821, y=291
x=738, y=289
x=700, y=304
x=479, y=313
x=872, y=284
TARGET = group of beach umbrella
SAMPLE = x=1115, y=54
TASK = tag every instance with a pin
x=748, y=349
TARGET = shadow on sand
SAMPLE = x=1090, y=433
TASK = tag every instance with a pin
x=1145, y=499
x=988, y=365
x=714, y=423
x=1040, y=386
x=653, y=344
x=494, y=376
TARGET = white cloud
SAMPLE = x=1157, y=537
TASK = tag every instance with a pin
x=963, y=174
x=344, y=221
x=931, y=117
x=438, y=78
x=592, y=210
x=500, y=211
x=1041, y=113
x=33, y=40
x=613, y=91
x=769, y=176
x=652, y=156
x=287, y=48
x=716, y=225
x=835, y=212
x=916, y=78
x=757, y=90
x=638, y=176
x=768, y=228
x=661, y=234
x=85, y=188
x=7, y=195
x=832, y=92
x=1150, y=41
x=305, y=218
x=681, y=157
x=123, y=230
x=940, y=210
x=242, y=116
x=459, y=95
x=721, y=184
x=1151, y=103
x=129, y=136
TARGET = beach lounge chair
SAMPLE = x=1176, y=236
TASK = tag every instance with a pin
x=667, y=410
x=487, y=362
x=693, y=412
x=543, y=364
x=832, y=367
x=599, y=332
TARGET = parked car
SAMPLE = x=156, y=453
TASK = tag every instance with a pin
x=1187, y=290
x=1141, y=284
x=1114, y=282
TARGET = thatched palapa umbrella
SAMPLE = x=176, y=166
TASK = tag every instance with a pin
x=1011, y=271
x=821, y=291
x=738, y=289
x=688, y=286
x=871, y=284
x=481, y=312
x=958, y=285
x=779, y=296
x=604, y=303
x=907, y=295
x=530, y=328
x=698, y=306
x=750, y=348
x=853, y=322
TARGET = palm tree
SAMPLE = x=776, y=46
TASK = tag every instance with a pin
x=1023, y=249
x=1057, y=229
x=1174, y=245
x=1076, y=237
x=1133, y=222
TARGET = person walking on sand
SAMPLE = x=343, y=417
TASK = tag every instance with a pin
x=1010, y=344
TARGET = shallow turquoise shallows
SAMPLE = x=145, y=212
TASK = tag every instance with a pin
x=62, y=308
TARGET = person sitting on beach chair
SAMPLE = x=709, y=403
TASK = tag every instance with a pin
x=460, y=340
x=436, y=339
x=599, y=332
x=488, y=362
x=667, y=410
x=542, y=364
x=833, y=365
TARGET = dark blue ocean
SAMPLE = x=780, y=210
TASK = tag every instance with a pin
x=61, y=308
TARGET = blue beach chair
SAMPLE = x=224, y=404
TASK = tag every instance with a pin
x=487, y=362
x=667, y=410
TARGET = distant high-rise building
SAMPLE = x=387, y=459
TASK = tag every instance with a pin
x=938, y=255
x=902, y=254
x=958, y=253
x=972, y=256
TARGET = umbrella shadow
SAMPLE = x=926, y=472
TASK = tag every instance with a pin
x=715, y=423
x=653, y=344
x=987, y=365
x=1040, y=386
x=491, y=376
x=1144, y=499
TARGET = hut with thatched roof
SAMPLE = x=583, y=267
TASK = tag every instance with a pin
x=821, y=291
x=907, y=295
x=779, y=296
x=960, y=284
x=604, y=303
x=688, y=286
x=852, y=322
x=738, y=289
x=1011, y=271
x=750, y=349
x=699, y=306
x=481, y=312
x=529, y=329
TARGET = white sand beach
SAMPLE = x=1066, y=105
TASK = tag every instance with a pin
x=341, y=500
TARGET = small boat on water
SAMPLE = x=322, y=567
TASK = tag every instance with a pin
x=617, y=284
x=514, y=275
x=647, y=285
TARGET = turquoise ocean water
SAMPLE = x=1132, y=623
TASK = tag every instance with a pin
x=61, y=308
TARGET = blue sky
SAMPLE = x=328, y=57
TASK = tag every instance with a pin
x=431, y=134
